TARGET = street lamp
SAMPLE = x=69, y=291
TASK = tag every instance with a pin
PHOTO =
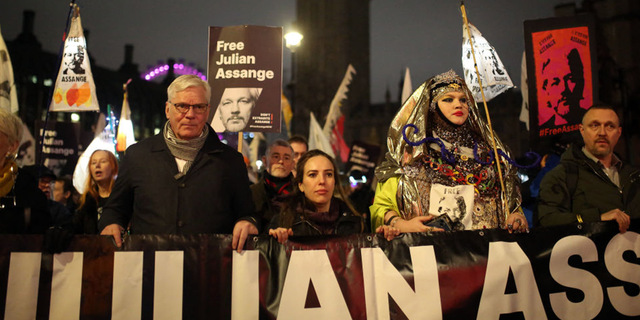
x=293, y=40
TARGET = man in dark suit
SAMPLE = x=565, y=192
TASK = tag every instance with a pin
x=183, y=180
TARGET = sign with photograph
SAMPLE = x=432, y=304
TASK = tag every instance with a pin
x=561, y=66
x=245, y=74
x=75, y=89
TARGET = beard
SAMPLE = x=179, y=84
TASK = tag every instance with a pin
x=600, y=150
x=279, y=172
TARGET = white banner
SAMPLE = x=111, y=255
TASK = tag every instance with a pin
x=495, y=79
x=8, y=95
x=75, y=90
x=317, y=138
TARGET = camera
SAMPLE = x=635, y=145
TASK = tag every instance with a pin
x=442, y=221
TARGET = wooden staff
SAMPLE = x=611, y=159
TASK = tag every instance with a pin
x=486, y=110
x=74, y=10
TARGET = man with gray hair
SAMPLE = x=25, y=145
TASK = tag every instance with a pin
x=183, y=180
x=276, y=181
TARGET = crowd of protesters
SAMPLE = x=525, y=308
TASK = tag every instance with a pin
x=439, y=175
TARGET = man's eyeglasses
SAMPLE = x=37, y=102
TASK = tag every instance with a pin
x=184, y=107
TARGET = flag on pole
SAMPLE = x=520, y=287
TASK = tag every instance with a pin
x=8, y=95
x=254, y=148
x=287, y=113
x=317, y=138
x=338, y=144
x=27, y=149
x=407, y=89
x=331, y=128
x=524, y=89
x=75, y=89
x=125, y=137
x=102, y=141
x=495, y=79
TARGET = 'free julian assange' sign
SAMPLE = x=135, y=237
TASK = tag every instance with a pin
x=245, y=74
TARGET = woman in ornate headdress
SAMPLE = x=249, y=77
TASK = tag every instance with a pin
x=440, y=161
x=23, y=207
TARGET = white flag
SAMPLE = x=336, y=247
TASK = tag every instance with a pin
x=27, y=149
x=75, y=90
x=334, y=109
x=8, y=95
x=125, y=137
x=317, y=139
x=334, y=125
x=495, y=79
x=407, y=89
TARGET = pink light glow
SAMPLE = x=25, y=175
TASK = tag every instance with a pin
x=147, y=77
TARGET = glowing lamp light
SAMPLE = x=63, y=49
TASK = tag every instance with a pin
x=75, y=117
x=293, y=40
x=147, y=77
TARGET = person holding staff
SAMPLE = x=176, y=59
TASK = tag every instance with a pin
x=440, y=164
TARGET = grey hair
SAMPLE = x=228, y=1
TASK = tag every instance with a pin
x=278, y=143
x=185, y=81
x=11, y=125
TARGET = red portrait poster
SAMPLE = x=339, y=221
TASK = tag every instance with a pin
x=562, y=84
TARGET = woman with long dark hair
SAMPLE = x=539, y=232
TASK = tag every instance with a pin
x=318, y=204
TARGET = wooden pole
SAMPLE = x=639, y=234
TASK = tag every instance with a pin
x=240, y=142
x=486, y=110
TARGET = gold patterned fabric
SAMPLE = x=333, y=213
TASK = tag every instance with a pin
x=419, y=167
x=7, y=176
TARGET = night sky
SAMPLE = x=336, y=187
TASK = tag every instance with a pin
x=423, y=35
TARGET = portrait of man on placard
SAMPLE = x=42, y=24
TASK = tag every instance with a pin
x=234, y=109
x=73, y=58
x=562, y=90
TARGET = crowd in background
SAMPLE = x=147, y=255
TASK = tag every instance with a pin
x=442, y=177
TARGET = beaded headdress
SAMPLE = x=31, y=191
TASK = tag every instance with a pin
x=443, y=84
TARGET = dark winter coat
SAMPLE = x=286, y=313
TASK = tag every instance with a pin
x=209, y=199
x=593, y=195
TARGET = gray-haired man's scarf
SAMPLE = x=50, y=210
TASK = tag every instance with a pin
x=184, y=149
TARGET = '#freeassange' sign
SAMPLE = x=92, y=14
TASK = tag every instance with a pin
x=578, y=271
